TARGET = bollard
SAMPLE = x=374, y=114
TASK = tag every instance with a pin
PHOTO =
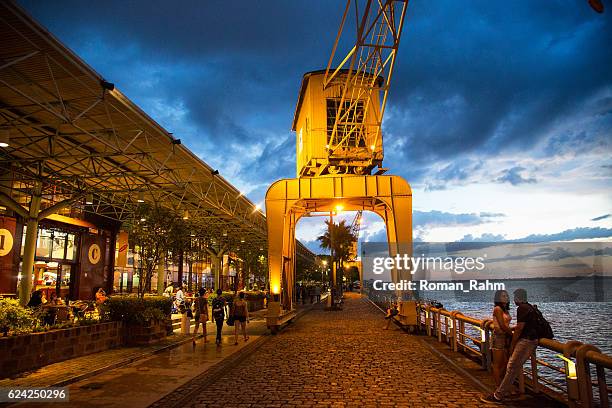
x=185, y=323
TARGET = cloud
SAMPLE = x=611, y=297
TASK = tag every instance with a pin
x=568, y=235
x=514, y=177
x=486, y=237
x=434, y=218
x=601, y=217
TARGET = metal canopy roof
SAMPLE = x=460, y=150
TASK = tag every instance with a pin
x=75, y=133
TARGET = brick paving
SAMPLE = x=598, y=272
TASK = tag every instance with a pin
x=66, y=372
x=332, y=359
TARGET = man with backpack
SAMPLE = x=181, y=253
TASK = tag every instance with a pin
x=218, y=313
x=531, y=326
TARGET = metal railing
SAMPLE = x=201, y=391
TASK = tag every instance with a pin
x=580, y=380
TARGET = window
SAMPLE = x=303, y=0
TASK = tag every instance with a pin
x=350, y=122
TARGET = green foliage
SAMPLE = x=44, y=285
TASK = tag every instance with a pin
x=155, y=232
x=138, y=311
x=339, y=239
x=16, y=318
x=229, y=297
x=252, y=295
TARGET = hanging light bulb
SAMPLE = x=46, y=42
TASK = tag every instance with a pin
x=5, y=137
x=141, y=197
x=89, y=199
x=186, y=215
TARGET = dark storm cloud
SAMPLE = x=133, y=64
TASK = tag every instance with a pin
x=567, y=235
x=478, y=78
x=514, y=177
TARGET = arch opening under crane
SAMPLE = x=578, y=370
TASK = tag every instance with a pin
x=339, y=148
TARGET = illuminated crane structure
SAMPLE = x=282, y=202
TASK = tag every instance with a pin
x=339, y=146
x=355, y=227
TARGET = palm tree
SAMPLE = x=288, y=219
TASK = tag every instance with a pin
x=338, y=239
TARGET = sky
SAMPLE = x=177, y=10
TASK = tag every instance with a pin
x=499, y=117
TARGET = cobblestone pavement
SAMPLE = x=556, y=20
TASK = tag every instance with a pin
x=332, y=359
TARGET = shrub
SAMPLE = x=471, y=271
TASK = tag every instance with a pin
x=15, y=318
x=229, y=297
x=254, y=295
x=136, y=311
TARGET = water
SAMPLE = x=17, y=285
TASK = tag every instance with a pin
x=576, y=308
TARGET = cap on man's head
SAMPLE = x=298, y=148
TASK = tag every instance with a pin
x=520, y=295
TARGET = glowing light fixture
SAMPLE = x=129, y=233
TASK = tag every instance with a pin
x=5, y=137
x=373, y=147
x=339, y=207
x=89, y=199
x=186, y=215
x=482, y=334
x=275, y=289
x=140, y=197
x=570, y=367
x=143, y=219
x=241, y=239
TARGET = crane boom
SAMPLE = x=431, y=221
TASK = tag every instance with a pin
x=355, y=137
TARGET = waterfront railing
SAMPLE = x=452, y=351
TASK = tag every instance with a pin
x=573, y=372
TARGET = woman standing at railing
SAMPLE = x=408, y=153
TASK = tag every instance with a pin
x=502, y=334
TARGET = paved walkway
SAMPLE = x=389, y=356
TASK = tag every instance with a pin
x=333, y=359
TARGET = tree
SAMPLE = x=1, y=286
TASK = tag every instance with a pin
x=154, y=233
x=338, y=239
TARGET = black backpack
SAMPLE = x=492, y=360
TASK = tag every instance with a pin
x=543, y=328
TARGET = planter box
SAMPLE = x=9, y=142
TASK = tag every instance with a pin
x=30, y=351
x=147, y=334
x=255, y=305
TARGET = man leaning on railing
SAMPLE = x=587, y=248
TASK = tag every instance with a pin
x=524, y=343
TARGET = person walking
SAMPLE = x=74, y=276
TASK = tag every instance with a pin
x=241, y=317
x=317, y=292
x=524, y=342
x=201, y=314
x=218, y=313
x=502, y=335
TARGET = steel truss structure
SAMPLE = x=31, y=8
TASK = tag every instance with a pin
x=73, y=134
x=354, y=131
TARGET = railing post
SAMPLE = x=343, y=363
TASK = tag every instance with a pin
x=462, y=335
x=454, y=330
x=439, y=324
x=534, y=373
x=603, y=388
x=428, y=319
x=573, y=395
x=584, y=375
x=484, y=345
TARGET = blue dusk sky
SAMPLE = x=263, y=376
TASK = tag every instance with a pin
x=500, y=113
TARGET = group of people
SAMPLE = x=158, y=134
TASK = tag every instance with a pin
x=236, y=311
x=305, y=292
